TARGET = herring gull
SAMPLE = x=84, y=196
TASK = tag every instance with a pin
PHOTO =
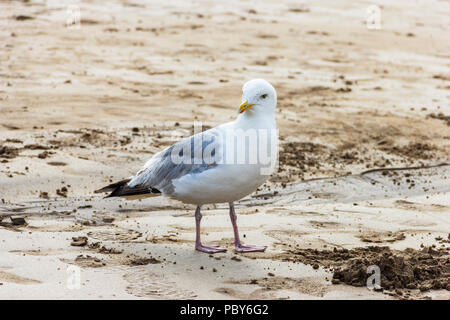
x=218, y=165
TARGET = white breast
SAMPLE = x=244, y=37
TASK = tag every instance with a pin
x=228, y=182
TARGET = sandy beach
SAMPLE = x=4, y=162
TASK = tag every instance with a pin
x=364, y=164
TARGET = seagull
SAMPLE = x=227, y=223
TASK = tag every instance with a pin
x=218, y=165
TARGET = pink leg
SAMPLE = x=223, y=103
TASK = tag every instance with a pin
x=198, y=244
x=237, y=242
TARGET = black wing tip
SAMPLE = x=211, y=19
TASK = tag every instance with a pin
x=121, y=189
x=113, y=186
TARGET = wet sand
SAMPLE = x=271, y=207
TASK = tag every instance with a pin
x=85, y=107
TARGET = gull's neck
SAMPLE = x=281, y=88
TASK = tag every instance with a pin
x=256, y=120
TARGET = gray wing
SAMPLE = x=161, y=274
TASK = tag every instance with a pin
x=192, y=155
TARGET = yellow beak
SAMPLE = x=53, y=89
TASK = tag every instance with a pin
x=244, y=106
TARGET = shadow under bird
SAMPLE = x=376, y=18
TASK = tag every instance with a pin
x=206, y=168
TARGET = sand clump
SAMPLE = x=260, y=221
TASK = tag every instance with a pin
x=425, y=269
x=410, y=269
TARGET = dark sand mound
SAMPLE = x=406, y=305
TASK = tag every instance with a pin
x=425, y=269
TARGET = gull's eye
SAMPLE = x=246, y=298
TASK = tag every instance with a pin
x=264, y=96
